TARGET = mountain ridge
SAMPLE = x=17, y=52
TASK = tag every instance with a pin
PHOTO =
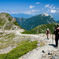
x=34, y=21
x=7, y=22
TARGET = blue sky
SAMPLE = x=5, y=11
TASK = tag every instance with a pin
x=31, y=7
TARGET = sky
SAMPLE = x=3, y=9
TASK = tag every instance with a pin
x=32, y=7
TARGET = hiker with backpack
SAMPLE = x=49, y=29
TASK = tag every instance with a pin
x=57, y=35
x=47, y=33
x=55, y=31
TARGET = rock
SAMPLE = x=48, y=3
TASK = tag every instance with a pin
x=54, y=57
x=43, y=51
x=49, y=53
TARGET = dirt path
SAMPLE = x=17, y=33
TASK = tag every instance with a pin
x=36, y=53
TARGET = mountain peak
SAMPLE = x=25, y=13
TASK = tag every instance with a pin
x=45, y=14
x=34, y=21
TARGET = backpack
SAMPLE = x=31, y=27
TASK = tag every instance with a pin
x=47, y=31
x=57, y=32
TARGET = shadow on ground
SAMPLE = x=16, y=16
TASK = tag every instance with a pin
x=52, y=45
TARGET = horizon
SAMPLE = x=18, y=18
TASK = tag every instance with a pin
x=30, y=7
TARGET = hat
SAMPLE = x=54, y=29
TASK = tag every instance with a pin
x=47, y=28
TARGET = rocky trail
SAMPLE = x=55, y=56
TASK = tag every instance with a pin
x=45, y=52
x=48, y=51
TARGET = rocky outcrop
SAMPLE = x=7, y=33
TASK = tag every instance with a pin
x=7, y=22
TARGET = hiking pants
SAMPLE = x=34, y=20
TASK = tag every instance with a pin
x=56, y=39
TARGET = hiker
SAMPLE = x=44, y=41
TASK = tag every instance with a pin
x=47, y=33
x=55, y=32
x=57, y=35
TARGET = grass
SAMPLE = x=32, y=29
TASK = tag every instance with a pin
x=20, y=50
x=42, y=44
x=7, y=40
x=17, y=24
x=2, y=21
x=8, y=36
x=8, y=26
x=41, y=29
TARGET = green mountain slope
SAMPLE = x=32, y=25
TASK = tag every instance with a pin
x=34, y=21
x=41, y=29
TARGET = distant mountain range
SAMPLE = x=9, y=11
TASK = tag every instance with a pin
x=34, y=21
x=21, y=15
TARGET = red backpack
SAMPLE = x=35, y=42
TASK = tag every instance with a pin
x=47, y=31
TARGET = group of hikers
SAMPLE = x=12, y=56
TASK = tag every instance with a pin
x=56, y=33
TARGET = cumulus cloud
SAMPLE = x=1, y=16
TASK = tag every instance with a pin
x=47, y=5
x=31, y=6
x=53, y=7
x=34, y=11
x=37, y=2
x=53, y=11
x=50, y=6
x=27, y=12
x=2, y=11
x=31, y=11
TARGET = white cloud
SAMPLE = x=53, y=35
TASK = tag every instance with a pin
x=47, y=5
x=37, y=2
x=24, y=12
x=27, y=12
x=14, y=12
x=35, y=10
x=31, y=11
x=2, y=11
x=50, y=6
x=31, y=6
x=53, y=11
x=53, y=7
x=45, y=14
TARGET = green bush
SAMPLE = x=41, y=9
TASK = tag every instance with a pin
x=19, y=51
